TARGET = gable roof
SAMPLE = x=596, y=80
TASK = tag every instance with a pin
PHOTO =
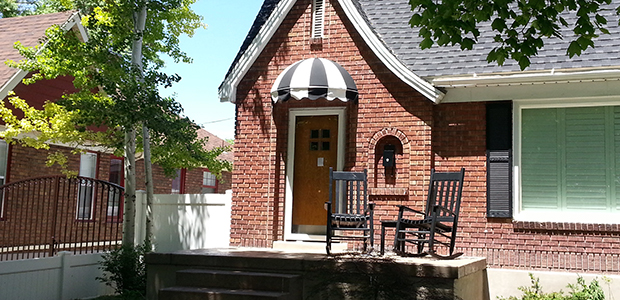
x=384, y=26
x=29, y=31
x=214, y=142
x=277, y=10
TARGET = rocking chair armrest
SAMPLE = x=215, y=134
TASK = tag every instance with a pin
x=441, y=208
x=403, y=208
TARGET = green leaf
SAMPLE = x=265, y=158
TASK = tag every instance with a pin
x=467, y=44
x=498, y=24
x=573, y=49
x=415, y=20
x=524, y=62
x=426, y=43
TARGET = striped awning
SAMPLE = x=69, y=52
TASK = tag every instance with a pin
x=314, y=78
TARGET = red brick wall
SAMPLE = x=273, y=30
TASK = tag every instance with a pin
x=225, y=183
x=445, y=137
x=262, y=128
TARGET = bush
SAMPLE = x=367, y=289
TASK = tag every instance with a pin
x=125, y=271
x=579, y=291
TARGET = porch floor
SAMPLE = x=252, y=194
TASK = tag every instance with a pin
x=319, y=276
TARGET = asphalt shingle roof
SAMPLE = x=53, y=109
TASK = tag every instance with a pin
x=389, y=19
x=262, y=16
x=214, y=142
x=28, y=30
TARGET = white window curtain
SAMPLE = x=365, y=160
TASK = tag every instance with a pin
x=88, y=168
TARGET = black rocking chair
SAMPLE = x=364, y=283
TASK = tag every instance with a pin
x=348, y=209
x=438, y=224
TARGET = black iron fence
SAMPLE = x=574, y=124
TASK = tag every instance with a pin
x=41, y=216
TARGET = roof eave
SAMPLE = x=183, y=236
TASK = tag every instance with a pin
x=561, y=85
x=548, y=76
x=228, y=89
x=73, y=21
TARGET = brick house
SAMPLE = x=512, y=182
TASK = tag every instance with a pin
x=540, y=147
x=18, y=163
x=21, y=163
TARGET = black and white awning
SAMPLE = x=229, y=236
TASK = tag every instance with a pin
x=314, y=78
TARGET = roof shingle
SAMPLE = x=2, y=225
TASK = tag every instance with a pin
x=28, y=30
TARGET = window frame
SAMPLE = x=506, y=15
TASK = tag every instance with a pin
x=519, y=214
x=214, y=187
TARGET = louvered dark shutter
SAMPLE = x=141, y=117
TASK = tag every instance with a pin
x=499, y=160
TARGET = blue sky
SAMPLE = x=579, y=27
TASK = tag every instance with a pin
x=213, y=50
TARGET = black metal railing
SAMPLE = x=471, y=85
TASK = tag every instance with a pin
x=41, y=216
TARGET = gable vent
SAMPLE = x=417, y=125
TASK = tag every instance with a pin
x=318, y=18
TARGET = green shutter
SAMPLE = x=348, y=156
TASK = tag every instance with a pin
x=585, y=178
x=569, y=159
x=540, y=159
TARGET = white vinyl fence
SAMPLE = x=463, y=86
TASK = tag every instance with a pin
x=180, y=222
x=189, y=221
x=64, y=276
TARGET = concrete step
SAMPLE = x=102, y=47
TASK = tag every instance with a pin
x=237, y=280
x=308, y=247
x=194, y=293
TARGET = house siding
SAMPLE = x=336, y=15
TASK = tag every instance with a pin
x=445, y=136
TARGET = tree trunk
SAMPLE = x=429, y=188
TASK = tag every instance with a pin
x=129, y=216
x=148, y=177
x=130, y=139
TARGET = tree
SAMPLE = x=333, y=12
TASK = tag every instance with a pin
x=117, y=87
x=13, y=8
x=520, y=27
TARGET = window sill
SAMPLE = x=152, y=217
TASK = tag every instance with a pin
x=567, y=221
x=565, y=226
x=387, y=191
x=569, y=217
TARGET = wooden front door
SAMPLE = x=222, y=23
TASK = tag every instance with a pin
x=316, y=140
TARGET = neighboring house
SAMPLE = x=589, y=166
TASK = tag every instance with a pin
x=541, y=147
x=19, y=163
x=193, y=181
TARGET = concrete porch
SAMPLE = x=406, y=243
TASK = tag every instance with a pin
x=258, y=273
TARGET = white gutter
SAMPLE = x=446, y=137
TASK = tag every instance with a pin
x=73, y=20
x=552, y=76
x=228, y=90
x=384, y=54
